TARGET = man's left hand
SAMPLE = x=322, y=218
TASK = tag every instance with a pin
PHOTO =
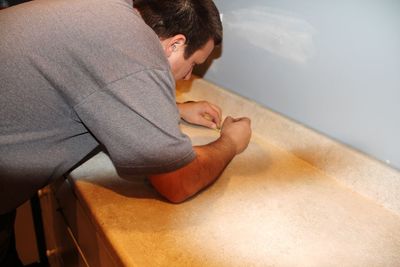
x=201, y=113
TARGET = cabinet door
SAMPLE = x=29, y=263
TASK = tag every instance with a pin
x=62, y=248
x=70, y=234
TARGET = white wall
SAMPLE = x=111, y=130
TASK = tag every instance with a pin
x=331, y=65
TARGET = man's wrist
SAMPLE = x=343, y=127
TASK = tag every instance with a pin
x=228, y=144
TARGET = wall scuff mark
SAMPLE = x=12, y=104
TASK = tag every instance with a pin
x=275, y=30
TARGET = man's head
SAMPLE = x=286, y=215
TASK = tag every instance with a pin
x=188, y=30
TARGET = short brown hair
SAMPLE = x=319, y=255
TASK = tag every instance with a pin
x=198, y=20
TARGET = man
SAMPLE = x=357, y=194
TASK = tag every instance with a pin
x=77, y=74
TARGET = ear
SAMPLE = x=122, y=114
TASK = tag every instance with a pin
x=173, y=44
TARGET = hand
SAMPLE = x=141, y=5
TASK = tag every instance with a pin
x=201, y=113
x=238, y=131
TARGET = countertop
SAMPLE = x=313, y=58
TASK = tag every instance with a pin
x=270, y=207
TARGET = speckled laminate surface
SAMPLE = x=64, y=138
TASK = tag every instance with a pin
x=269, y=208
x=355, y=170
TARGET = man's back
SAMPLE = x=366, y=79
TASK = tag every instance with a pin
x=63, y=64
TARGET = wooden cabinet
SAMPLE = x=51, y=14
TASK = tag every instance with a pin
x=70, y=235
x=62, y=247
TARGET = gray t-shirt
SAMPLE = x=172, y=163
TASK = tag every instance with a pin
x=75, y=74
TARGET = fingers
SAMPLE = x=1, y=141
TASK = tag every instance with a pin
x=230, y=119
x=207, y=121
x=242, y=119
x=238, y=130
x=206, y=114
x=212, y=113
x=218, y=111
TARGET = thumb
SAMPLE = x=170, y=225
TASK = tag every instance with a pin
x=228, y=120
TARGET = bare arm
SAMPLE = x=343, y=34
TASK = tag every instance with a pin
x=209, y=163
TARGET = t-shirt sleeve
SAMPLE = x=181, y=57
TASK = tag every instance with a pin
x=137, y=120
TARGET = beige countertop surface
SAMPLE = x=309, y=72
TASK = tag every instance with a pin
x=269, y=208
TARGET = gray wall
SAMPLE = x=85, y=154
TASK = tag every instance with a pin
x=333, y=66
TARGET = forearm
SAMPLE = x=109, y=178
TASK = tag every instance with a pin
x=185, y=182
